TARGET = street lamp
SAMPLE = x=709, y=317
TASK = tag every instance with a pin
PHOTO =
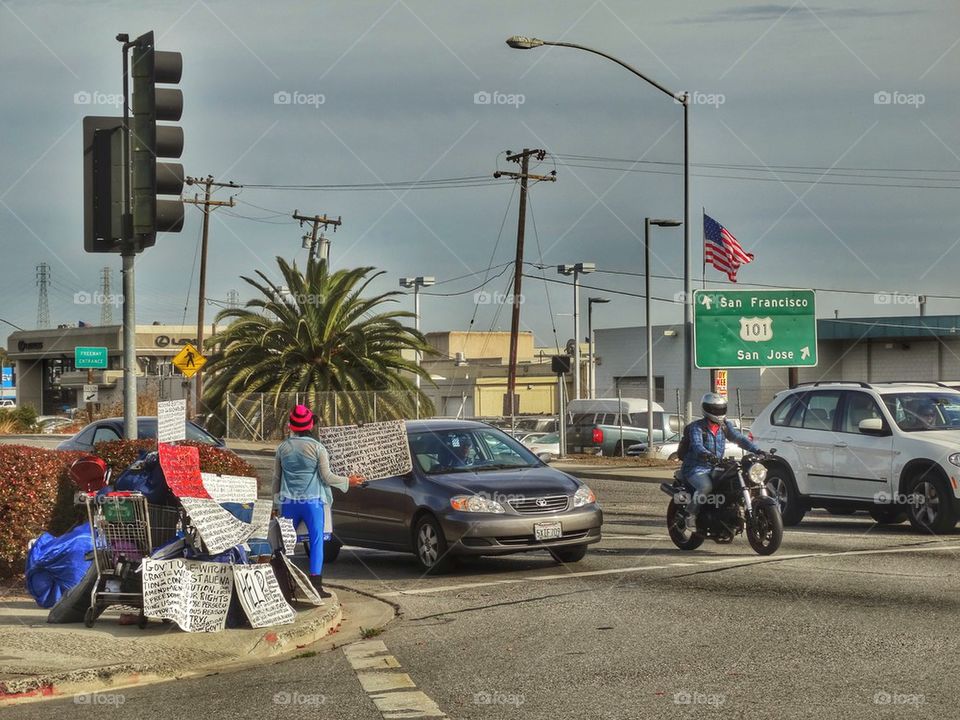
x=576, y=270
x=651, y=384
x=520, y=42
x=591, y=358
x=416, y=283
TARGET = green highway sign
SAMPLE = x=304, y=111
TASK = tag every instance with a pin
x=754, y=328
x=86, y=358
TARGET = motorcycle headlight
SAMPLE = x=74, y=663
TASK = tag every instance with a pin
x=757, y=473
x=954, y=459
x=475, y=504
x=583, y=496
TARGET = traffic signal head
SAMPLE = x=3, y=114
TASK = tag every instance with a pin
x=150, y=141
x=102, y=184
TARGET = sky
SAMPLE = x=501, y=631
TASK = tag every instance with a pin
x=800, y=113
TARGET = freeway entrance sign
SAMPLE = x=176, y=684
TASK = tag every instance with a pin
x=755, y=328
x=85, y=358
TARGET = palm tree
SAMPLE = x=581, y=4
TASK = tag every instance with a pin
x=316, y=336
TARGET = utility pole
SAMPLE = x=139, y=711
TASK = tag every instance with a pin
x=524, y=175
x=207, y=204
x=317, y=221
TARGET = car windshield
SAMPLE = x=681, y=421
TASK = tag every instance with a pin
x=924, y=411
x=468, y=450
x=548, y=439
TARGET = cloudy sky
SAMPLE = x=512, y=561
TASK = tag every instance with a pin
x=801, y=113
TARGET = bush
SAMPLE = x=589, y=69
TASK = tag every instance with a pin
x=31, y=481
x=18, y=420
x=119, y=454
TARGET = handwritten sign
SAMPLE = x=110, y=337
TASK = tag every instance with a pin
x=260, y=523
x=260, y=596
x=307, y=592
x=374, y=451
x=171, y=421
x=181, y=469
x=218, y=528
x=288, y=535
x=230, y=488
x=195, y=595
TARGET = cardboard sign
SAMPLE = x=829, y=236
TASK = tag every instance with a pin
x=218, y=528
x=181, y=468
x=373, y=451
x=195, y=595
x=307, y=592
x=260, y=596
x=171, y=421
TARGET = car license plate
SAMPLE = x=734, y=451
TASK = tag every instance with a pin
x=548, y=531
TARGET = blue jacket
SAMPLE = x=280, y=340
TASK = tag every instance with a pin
x=703, y=441
x=302, y=471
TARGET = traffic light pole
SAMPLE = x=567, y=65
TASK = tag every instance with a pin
x=128, y=256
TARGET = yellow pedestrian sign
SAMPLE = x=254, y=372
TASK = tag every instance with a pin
x=189, y=360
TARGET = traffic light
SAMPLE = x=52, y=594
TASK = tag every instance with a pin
x=150, y=141
x=102, y=183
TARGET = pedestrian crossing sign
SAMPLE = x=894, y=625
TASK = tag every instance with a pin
x=189, y=360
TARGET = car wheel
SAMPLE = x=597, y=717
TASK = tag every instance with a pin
x=331, y=550
x=781, y=486
x=572, y=554
x=931, y=506
x=430, y=546
x=888, y=516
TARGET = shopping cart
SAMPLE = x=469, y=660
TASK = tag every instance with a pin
x=125, y=529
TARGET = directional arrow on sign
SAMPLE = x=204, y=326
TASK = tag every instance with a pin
x=804, y=353
x=706, y=302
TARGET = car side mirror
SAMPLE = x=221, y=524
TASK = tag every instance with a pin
x=872, y=426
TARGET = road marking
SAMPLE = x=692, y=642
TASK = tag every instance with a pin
x=394, y=693
x=741, y=559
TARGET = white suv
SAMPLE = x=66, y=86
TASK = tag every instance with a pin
x=890, y=448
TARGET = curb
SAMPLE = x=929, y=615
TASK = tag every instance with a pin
x=270, y=643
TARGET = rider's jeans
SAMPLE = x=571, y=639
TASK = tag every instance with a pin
x=702, y=485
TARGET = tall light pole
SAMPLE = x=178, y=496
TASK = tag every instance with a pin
x=576, y=270
x=591, y=357
x=520, y=42
x=651, y=382
x=416, y=283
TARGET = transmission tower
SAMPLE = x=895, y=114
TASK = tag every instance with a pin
x=106, y=306
x=233, y=299
x=43, y=302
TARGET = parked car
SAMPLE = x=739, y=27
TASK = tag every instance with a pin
x=596, y=424
x=530, y=437
x=8, y=404
x=51, y=424
x=473, y=490
x=112, y=429
x=888, y=448
x=667, y=450
x=546, y=447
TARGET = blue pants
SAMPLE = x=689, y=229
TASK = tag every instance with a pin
x=310, y=512
x=702, y=483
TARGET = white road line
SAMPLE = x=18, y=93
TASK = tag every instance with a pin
x=741, y=559
x=394, y=693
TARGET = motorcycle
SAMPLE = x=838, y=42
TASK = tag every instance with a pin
x=738, y=502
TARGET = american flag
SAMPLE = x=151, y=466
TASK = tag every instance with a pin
x=721, y=249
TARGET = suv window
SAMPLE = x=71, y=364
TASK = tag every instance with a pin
x=922, y=411
x=582, y=419
x=781, y=413
x=820, y=410
x=859, y=407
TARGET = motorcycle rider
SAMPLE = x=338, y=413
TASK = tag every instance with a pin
x=707, y=437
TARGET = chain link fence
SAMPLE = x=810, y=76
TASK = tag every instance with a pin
x=262, y=417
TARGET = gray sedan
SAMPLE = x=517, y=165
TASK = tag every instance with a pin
x=473, y=490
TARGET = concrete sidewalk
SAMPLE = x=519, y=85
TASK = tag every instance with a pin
x=39, y=660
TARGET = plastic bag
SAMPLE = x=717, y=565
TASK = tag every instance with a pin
x=56, y=564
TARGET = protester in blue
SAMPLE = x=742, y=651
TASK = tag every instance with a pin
x=301, y=485
x=708, y=437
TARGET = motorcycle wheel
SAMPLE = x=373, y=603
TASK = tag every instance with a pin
x=765, y=530
x=682, y=536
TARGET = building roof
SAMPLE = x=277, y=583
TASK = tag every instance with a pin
x=895, y=327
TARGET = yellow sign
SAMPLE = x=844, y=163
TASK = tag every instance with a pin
x=722, y=382
x=189, y=360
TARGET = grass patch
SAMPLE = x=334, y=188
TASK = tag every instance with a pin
x=367, y=633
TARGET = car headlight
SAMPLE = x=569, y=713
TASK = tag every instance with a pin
x=954, y=459
x=475, y=504
x=583, y=496
x=757, y=473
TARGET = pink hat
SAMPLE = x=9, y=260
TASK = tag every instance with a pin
x=301, y=419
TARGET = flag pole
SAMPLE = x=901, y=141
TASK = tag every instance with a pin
x=703, y=251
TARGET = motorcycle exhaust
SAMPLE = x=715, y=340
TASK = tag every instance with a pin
x=669, y=489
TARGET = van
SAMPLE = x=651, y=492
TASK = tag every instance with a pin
x=611, y=425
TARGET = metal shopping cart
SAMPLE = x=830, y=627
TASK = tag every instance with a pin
x=125, y=529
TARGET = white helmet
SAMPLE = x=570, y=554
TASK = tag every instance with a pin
x=714, y=407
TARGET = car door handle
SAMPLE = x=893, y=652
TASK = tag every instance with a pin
x=840, y=445
x=788, y=439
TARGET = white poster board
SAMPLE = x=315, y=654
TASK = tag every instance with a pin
x=288, y=535
x=373, y=451
x=230, y=488
x=307, y=590
x=171, y=421
x=195, y=595
x=260, y=596
x=217, y=527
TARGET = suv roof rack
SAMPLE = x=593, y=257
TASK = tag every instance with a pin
x=835, y=382
x=915, y=382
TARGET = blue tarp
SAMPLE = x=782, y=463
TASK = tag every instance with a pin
x=56, y=564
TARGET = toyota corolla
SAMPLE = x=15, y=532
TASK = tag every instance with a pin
x=472, y=490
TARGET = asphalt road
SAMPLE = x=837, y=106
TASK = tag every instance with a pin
x=848, y=620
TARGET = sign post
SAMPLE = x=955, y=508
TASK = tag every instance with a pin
x=755, y=328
